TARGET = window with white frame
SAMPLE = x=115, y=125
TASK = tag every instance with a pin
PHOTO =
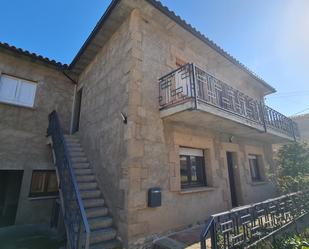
x=17, y=91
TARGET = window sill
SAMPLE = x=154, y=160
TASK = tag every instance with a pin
x=37, y=198
x=17, y=105
x=196, y=190
x=257, y=183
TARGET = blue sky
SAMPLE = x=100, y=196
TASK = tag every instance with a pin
x=271, y=37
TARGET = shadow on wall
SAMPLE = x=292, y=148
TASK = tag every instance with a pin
x=10, y=182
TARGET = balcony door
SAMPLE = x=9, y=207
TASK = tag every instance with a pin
x=230, y=156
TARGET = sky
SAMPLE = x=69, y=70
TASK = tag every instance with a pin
x=271, y=37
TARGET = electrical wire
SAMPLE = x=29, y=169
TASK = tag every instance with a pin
x=301, y=111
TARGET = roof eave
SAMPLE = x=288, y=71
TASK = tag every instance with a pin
x=33, y=57
x=203, y=38
x=93, y=33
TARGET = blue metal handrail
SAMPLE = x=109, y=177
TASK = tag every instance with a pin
x=245, y=226
x=74, y=212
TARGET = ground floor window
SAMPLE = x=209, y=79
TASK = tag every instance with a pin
x=43, y=183
x=254, y=168
x=192, y=167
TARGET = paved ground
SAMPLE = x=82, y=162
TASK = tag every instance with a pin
x=28, y=237
x=32, y=242
x=185, y=239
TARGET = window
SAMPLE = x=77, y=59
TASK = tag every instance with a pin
x=254, y=168
x=192, y=167
x=43, y=183
x=17, y=91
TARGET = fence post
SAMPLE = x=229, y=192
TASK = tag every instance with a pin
x=213, y=236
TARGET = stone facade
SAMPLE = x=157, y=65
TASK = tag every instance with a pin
x=23, y=131
x=129, y=158
x=156, y=142
x=106, y=88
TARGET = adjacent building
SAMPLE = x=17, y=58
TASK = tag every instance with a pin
x=155, y=108
x=302, y=122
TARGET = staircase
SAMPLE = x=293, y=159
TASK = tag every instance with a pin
x=86, y=217
x=102, y=234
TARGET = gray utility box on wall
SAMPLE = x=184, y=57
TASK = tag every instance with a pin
x=154, y=197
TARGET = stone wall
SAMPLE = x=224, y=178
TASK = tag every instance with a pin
x=303, y=124
x=106, y=86
x=128, y=159
x=153, y=144
x=23, y=130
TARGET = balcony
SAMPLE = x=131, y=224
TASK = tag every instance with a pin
x=191, y=96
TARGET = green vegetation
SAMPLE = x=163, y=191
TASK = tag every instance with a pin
x=287, y=241
x=292, y=171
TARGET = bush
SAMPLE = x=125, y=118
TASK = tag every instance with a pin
x=292, y=171
x=287, y=241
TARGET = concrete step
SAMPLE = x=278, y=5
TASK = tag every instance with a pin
x=111, y=244
x=74, y=146
x=102, y=235
x=70, y=135
x=81, y=166
x=93, y=202
x=87, y=186
x=86, y=171
x=85, y=178
x=96, y=212
x=100, y=222
x=79, y=159
x=77, y=154
x=72, y=142
x=75, y=149
x=85, y=194
x=71, y=139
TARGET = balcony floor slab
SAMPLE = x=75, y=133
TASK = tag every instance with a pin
x=212, y=118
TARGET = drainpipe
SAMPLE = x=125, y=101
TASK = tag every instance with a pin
x=66, y=75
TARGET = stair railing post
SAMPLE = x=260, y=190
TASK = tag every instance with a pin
x=213, y=236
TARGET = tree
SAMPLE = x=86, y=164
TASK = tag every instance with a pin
x=292, y=171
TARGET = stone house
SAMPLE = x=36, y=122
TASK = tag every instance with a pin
x=159, y=120
x=302, y=122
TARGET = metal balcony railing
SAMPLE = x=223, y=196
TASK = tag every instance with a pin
x=75, y=219
x=189, y=83
x=246, y=226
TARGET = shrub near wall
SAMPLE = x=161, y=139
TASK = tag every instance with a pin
x=292, y=173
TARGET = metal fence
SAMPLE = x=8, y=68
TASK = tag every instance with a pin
x=190, y=83
x=78, y=231
x=244, y=227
